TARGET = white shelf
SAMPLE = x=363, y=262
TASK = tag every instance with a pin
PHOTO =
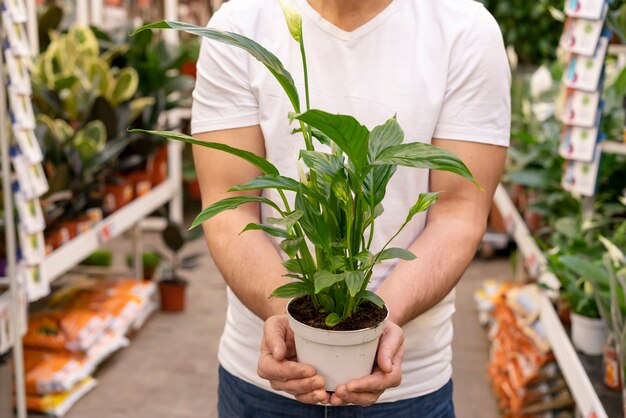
x=587, y=400
x=73, y=252
x=533, y=257
x=613, y=147
x=577, y=379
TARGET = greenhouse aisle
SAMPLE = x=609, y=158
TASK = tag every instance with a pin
x=169, y=370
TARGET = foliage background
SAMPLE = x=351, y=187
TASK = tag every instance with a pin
x=529, y=27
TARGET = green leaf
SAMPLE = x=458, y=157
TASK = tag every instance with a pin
x=384, y=136
x=293, y=19
x=372, y=297
x=585, y=268
x=327, y=165
x=313, y=223
x=424, y=201
x=391, y=253
x=288, y=221
x=327, y=302
x=291, y=246
x=273, y=231
x=293, y=290
x=418, y=155
x=354, y=281
x=228, y=204
x=345, y=131
x=125, y=86
x=332, y=319
x=324, y=279
x=365, y=257
x=271, y=62
x=293, y=266
x=270, y=181
x=261, y=163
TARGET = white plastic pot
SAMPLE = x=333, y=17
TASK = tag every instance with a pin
x=338, y=356
x=588, y=334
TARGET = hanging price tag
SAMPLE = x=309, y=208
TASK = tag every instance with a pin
x=584, y=73
x=579, y=143
x=16, y=35
x=580, y=108
x=22, y=115
x=581, y=36
x=581, y=177
x=28, y=144
x=588, y=9
x=19, y=78
x=17, y=10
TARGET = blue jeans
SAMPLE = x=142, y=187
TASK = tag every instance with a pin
x=240, y=399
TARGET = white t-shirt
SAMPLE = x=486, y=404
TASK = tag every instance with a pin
x=439, y=65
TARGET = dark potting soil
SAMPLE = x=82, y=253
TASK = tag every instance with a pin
x=367, y=316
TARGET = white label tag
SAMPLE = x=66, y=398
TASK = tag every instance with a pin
x=20, y=166
x=19, y=78
x=588, y=9
x=580, y=108
x=28, y=144
x=29, y=211
x=583, y=73
x=37, y=286
x=17, y=9
x=32, y=246
x=580, y=177
x=581, y=36
x=16, y=34
x=578, y=143
x=38, y=179
x=22, y=113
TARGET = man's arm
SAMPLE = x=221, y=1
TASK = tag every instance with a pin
x=249, y=263
x=454, y=228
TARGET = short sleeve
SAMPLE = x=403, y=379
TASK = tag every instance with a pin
x=222, y=97
x=477, y=102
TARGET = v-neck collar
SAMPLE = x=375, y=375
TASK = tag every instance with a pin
x=341, y=34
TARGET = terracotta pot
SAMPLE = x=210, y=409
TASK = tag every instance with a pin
x=496, y=221
x=172, y=296
x=71, y=227
x=141, y=183
x=58, y=236
x=117, y=195
x=564, y=311
x=193, y=187
x=157, y=166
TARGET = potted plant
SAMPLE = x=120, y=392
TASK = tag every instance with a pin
x=171, y=284
x=150, y=261
x=333, y=208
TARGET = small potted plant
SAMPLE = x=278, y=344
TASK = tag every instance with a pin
x=171, y=284
x=326, y=225
x=150, y=261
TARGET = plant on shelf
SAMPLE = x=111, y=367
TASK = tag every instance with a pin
x=150, y=261
x=171, y=283
x=335, y=206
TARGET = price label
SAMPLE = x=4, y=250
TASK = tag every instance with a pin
x=104, y=234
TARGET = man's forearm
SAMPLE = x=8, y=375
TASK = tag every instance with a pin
x=249, y=263
x=443, y=250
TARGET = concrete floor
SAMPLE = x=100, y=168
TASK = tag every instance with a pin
x=170, y=368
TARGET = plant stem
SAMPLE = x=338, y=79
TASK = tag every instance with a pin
x=306, y=73
x=365, y=282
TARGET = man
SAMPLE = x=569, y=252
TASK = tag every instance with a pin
x=440, y=66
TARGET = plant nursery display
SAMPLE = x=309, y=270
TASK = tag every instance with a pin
x=334, y=210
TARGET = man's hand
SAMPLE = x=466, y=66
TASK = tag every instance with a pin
x=387, y=372
x=277, y=364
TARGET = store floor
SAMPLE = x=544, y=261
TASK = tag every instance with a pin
x=170, y=368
